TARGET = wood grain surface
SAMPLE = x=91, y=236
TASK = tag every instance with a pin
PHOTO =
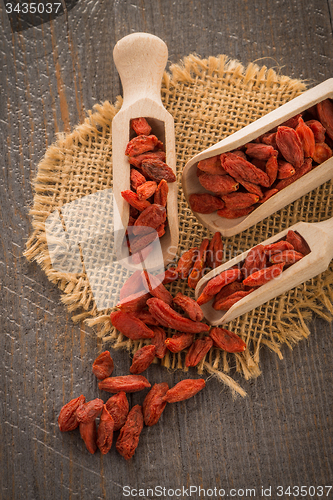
x=281, y=433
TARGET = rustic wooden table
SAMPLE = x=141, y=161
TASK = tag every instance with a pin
x=280, y=435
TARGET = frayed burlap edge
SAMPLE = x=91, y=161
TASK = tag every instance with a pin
x=314, y=297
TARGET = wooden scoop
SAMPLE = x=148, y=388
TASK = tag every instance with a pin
x=319, y=237
x=140, y=59
x=313, y=179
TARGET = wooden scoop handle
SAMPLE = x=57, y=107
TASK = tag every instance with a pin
x=140, y=59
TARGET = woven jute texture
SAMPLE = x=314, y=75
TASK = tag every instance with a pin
x=209, y=100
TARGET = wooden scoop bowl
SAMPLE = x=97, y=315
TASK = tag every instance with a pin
x=313, y=179
x=319, y=237
x=140, y=59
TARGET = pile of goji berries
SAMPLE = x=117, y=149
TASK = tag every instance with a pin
x=146, y=308
x=144, y=314
x=262, y=264
x=242, y=179
x=149, y=176
x=115, y=415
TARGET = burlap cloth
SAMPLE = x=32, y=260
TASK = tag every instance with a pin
x=209, y=99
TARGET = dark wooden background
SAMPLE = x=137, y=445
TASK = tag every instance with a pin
x=281, y=434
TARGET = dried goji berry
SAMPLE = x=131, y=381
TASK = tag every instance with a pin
x=234, y=164
x=133, y=200
x=272, y=168
x=198, y=265
x=212, y=166
x=322, y=152
x=159, y=342
x=240, y=153
x=130, y=326
x=286, y=256
x=228, y=290
x=152, y=216
x=261, y=164
x=226, y=303
x=88, y=433
x=219, y=184
x=161, y=230
x=126, y=383
x=204, y=298
x=145, y=316
x=306, y=137
x=218, y=282
x=285, y=170
x=189, y=306
x=263, y=275
x=157, y=170
x=136, y=161
x=169, y=318
x=156, y=288
x=259, y=151
x=205, y=203
x=317, y=129
x=214, y=255
x=137, y=179
x=255, y=260
x=290, y=146
x=67, y=419
x=237, y=201
x=142, y=241
x=298, y=242
x=142, y=359
x=153, y=405
x=134, y=303
x=185, y=263
x=179, y=341
x=304, y=169
x=279, y=246
x=270, y=139
x=161, y=193
x=141, y=144
x=89, y=411
x=184, y=390
x=105, y=431
x=129, y=435
x=325, y=113
x=140, y=126
x=170, y=275
x=198, y=351
x=251, y=187
x=291, y=122
x=146, y=190
x=227, y=340
x=103, y=365
x=159, y=146
x=118, y=408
